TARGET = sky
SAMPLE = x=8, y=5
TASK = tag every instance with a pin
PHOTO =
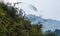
x=48, y=9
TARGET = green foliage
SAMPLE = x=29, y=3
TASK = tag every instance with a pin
x=13, y=25
x=50, y=33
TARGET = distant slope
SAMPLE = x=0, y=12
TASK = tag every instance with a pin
x=48, y=24
x=34, y=18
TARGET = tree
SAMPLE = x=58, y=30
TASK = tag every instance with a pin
x=50, y=33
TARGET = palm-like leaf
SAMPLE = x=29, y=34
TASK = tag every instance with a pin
x=33, y=7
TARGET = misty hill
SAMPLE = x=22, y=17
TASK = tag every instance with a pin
x=48, y=24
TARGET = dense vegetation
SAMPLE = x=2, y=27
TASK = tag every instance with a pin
x=11, y=24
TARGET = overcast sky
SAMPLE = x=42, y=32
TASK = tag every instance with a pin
x=49, y=9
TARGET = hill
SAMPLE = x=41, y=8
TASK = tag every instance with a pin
x=48, y=24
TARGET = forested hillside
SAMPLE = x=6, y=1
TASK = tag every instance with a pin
x=12, y=24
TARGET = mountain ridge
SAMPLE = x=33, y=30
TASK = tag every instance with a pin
x=48, y=24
